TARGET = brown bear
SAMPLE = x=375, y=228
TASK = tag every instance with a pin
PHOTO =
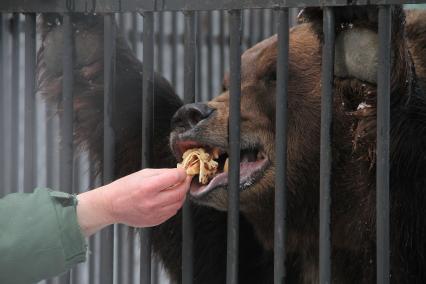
x=354, y=143
x=89, y=89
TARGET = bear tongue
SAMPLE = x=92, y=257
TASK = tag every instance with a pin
x=247, y=169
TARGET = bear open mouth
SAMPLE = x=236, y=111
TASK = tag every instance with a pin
x=253, y=163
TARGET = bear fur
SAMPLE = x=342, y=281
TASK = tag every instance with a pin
x=88, y=92
x=354, y=146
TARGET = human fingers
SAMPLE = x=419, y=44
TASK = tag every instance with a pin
x=167, y=212
x=174, y=194
x=146, y=173
x=186, y=182
x=167, y=179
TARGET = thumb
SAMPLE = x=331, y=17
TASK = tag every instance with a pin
x=165, y=180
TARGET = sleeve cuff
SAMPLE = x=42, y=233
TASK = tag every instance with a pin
x=72, y=239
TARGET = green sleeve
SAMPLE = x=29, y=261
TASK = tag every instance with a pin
x=39, y=236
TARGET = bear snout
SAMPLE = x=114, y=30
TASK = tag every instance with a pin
x=188, y=116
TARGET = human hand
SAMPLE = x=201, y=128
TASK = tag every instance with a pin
x=149, y=197
x=142, y=199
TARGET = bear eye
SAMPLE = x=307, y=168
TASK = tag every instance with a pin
x=271, y=77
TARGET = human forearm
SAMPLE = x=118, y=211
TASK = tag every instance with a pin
x=93, y=213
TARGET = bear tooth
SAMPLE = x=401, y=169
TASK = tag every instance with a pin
x=225, y=166
x=215, y=153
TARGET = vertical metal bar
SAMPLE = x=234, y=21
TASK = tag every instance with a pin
x=209, y=55
x=155, y=270
x=272, y=24
x=30, y=62
x=92, y=239
x=119, y=252
x=326, y=134
x=199, y=59
x=222, y=44
x=281, y=146
x=234, y=147
x=107, y=235
x=251, y=36
x=76, y=182
x=2, y=106
x=66, y=168
x=49, y=146
x=147, y=106
x=160, y=43
x=122, y=24
x=261, y=24
x=189, y=97
x=92, y=260
x=131, y=256
x=135, y=34
x=383, y=137
x=174, y=37
x=15, y=103
x=66, y=121
x=293, y=16
x=5, y=111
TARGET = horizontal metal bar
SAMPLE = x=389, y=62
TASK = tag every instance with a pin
x=383, y=137
x=114, y=6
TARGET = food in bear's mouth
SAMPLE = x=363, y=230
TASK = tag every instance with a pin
x=198, y=161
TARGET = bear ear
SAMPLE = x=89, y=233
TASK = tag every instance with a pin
x=356, y=54
x=356, y=38
x=356, y=46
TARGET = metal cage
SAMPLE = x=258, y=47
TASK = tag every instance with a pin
x=34, y=155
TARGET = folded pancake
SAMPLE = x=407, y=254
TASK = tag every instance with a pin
x=198, y=162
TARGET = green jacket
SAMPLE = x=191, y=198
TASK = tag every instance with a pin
x=39, y=236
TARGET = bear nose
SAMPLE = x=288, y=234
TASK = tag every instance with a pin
x=190, y=115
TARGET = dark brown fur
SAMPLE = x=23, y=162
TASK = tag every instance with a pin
x=354, y=132
x=89, y=89
x=354, y=144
